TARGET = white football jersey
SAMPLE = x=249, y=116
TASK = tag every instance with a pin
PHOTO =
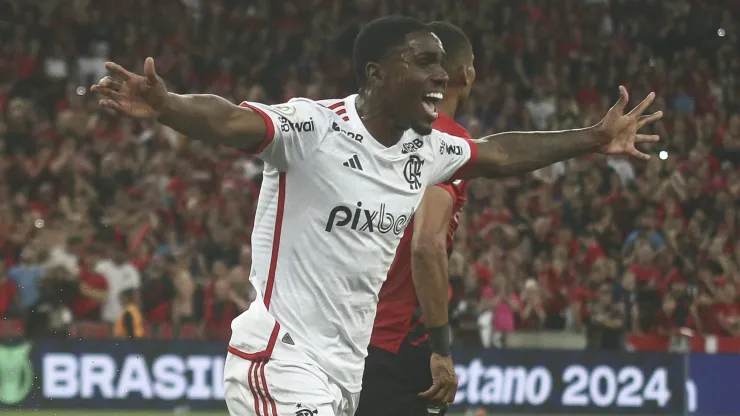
x=333, y=206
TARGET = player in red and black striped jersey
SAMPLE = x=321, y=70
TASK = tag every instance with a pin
x=408, y=370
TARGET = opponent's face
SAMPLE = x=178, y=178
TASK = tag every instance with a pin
x=468, y=73
x=414, y=81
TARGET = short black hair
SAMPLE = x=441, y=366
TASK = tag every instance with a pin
x=378, y=37
x=454, y=41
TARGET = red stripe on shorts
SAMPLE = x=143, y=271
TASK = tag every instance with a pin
x=267, y=392
x=252, y=387
x=260, y=391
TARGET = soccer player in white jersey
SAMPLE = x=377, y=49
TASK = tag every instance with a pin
x=342, y=178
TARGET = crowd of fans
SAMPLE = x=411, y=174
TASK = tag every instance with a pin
x=92, y=204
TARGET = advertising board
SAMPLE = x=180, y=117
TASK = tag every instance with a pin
x=133, y=375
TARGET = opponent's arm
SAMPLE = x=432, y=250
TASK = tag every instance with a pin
x=429, y=263
x=429, y=272
x=515, y=153
x=207, y=117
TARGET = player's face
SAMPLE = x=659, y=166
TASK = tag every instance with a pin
x=416, y=82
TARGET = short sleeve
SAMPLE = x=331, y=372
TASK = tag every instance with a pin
x=452, y=156
x=294, y=131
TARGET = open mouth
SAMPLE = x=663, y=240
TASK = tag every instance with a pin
x=429, y=102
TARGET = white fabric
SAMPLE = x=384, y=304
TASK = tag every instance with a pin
x=624, y=169
x=119, y=278
x=58, y=256
x=293, y=381
x=332, y=261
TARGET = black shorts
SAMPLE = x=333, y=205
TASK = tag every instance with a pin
x=392, y=382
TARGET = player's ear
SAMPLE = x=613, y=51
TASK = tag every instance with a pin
x=468, y=74
x=373, y=72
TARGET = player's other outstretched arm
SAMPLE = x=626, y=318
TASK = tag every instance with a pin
x=515, y=153
x=210, y=117
x=206, y=117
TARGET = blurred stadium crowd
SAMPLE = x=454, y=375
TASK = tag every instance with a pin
x=92, y=204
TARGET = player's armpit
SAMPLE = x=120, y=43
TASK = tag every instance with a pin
x=429, y=254
x=516, y=153
x=214, y=119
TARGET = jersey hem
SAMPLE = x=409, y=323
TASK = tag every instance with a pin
x=259, y=355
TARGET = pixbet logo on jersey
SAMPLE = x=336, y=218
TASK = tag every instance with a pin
x=366, y=220
x=301, y=126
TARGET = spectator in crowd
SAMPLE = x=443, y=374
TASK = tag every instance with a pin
x=9, y=304
x=665, y=322
x=728, y=310
x=27, y=276
x=158, y=290
x=119, y=275
x=532, y=313
x=219, y=310
x=130, y=325
x=50, y=315
x=606, y=323
x=93, y=291
x=626, y=294
x=504, y=305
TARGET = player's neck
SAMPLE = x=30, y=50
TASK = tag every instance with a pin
x=448, y=105
x=376, y=121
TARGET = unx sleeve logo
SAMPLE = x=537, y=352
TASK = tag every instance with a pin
x=16, y=373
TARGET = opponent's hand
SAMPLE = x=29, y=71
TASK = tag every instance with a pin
x=444, y=380
x=619, y=130
x=131, y=94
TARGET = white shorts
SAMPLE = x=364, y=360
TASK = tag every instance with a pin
x=286, y=384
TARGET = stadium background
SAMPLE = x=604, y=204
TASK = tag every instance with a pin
x=654, y=243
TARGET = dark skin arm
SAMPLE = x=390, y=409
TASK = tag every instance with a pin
x=429, y=270
x=204, y=116
x=516, y=153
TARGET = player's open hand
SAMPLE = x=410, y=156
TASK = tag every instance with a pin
x=619, y=130
x=444, y=380
x=131, y=94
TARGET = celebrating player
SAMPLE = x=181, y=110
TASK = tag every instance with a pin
x=342, y=179
x=402, y=344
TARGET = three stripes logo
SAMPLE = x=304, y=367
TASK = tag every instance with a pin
x=353, y=162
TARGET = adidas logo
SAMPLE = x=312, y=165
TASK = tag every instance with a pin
x=353, y=162
x=287, y=339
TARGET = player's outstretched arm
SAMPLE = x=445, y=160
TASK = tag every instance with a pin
x=515, y=153
x=429, y=270
x=207, y=117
